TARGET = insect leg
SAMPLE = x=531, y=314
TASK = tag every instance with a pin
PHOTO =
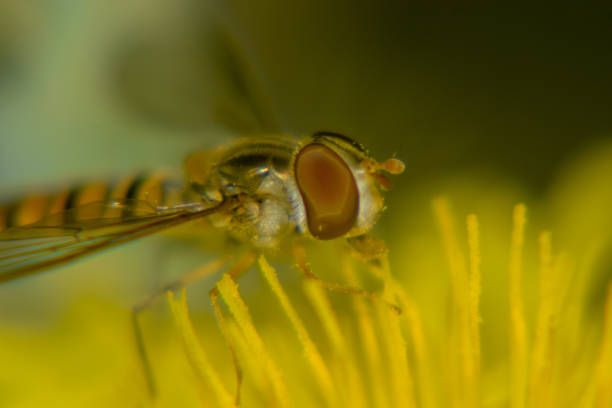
x=304, y=266
x=367, y=249
x=237, y=269
x=180, y=283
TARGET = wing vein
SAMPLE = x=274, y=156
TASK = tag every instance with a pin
x=44, y=251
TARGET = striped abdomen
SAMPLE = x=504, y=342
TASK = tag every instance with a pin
x=71, y=204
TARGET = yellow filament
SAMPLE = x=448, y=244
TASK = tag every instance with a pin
x=462, y=383
x=604, y=362
x=464, y=334
x=367, y=334
x=474, y=296
x=312, y=355
x=352, y=390
x=447, y=230
x=599, y=393
x=540, y=358
x=229, y=291
x=251, y=364
x=401, y=378
x=195, y=353
x=518, y=346
x=423, y=362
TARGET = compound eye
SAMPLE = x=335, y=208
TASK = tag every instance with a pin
x=328, y=189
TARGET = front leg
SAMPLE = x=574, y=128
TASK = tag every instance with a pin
x=304, y=266
x=367, y=249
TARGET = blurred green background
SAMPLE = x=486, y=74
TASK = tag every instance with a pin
x=515, y=92
x=489, y=106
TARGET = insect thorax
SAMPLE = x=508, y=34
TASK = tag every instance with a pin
x=259, y=171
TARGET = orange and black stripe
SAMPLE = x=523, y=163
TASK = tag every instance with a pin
x=72, y=204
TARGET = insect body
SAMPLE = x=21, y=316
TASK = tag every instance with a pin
x=261, y=190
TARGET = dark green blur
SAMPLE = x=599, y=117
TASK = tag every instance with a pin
x=515, y=92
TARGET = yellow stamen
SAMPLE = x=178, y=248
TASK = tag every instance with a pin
x=540, y=358
x=421, y=353
x=311, y=352
x=370, y=344
x=474, y=297
x=195, y=353
x=462, y=383
x=352, y=387
x=229, y=291
x=604, y=361
x=518, y=347
x=401, y=378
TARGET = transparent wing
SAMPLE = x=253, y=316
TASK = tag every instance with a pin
x=246, y=108
x=197, y=78
x=72, y=234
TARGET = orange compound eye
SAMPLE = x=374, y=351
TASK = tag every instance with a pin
x=329, y=191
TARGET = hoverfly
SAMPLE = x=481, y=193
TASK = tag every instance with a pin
x=262, y=191
x=259, y=190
